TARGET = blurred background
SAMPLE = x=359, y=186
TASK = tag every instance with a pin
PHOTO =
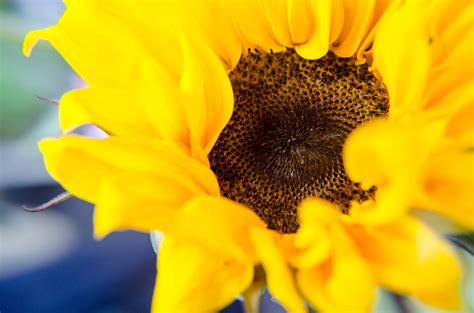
x=49, y=261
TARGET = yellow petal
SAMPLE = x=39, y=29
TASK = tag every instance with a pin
x=81, y=164
x=277, y=13
x=382, y=7
x=219, y=223
x=152, y=108
x=337, y=19
x=378, y=155
x=351, y=284
x=308, y=248
x=443, y=13
x=111, y=109
x=454, y=107
x=32, y=39
x=192, y=278
x=301, y=22
x=253, y=26
x=402, y=57
x=460, y=127
x=280, y=279
x=357, y=20
x=208, y=96
x=201, y=18
x=453, y=72
x=159, y=97
x=448, y=39
x=381, y=154
x=408, y=258
x=311, y=285
x=318, y=43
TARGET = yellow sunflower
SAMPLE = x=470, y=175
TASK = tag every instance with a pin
x=274, y=143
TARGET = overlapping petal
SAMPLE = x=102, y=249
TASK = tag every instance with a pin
x=381, y=154
x=176, y=100
x=404, y=256
x=341, y=280
x=438, y=179
x=207, y=99
x=169, y=178
x=80, y=164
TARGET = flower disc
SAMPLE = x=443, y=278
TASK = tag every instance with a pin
x=290, y=120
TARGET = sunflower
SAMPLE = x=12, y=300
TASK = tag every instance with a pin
x=285, y=144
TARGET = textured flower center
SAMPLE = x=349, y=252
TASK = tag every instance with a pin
x=284, y=141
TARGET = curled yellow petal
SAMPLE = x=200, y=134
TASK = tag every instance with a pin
x=378, y=155
x=32, y=39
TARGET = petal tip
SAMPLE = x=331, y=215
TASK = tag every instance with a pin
x=31, y=39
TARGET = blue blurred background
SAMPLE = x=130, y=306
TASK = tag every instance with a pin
x=49, y=261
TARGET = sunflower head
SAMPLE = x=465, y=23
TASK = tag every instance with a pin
x=294, y=139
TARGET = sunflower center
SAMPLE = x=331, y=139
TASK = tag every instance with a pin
x=284, y=141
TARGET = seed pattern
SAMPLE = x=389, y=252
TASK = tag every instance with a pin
x=284, y=141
